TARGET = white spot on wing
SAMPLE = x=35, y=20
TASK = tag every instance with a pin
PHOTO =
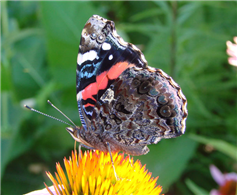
x=110, y=57
x=79, y=59
x=79, y=97
x=106, y=46
x=90, y=55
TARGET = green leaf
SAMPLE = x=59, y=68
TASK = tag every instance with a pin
x=28, y=70
x=16, y=36
x=168, y=159
x=195, y=189
x=11, y=138
x=187, y=11
x=224, y=147
x=145, y=14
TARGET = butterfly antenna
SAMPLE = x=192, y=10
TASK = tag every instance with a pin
x=61, y=113
x=32, y=109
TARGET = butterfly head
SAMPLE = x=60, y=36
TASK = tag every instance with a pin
x=75, y=132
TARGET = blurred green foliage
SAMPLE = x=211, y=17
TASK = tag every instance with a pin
x=39, y=46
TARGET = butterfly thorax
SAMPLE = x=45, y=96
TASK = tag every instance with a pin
x=85, y=138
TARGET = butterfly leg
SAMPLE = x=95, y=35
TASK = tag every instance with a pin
x=79, y=149
x=115, y=174
x=87, y=147
x=82, y=145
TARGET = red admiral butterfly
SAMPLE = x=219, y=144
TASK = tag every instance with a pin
x=124, y=105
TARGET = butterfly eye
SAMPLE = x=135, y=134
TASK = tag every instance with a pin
x=144, y=87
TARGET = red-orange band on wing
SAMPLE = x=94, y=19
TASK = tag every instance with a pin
x=89, y=91
x=103, y=79
x=117, y=69
x=88, y=104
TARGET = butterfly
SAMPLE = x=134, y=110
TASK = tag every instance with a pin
x=124, y=104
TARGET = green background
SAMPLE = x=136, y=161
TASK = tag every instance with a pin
x=187, y=40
